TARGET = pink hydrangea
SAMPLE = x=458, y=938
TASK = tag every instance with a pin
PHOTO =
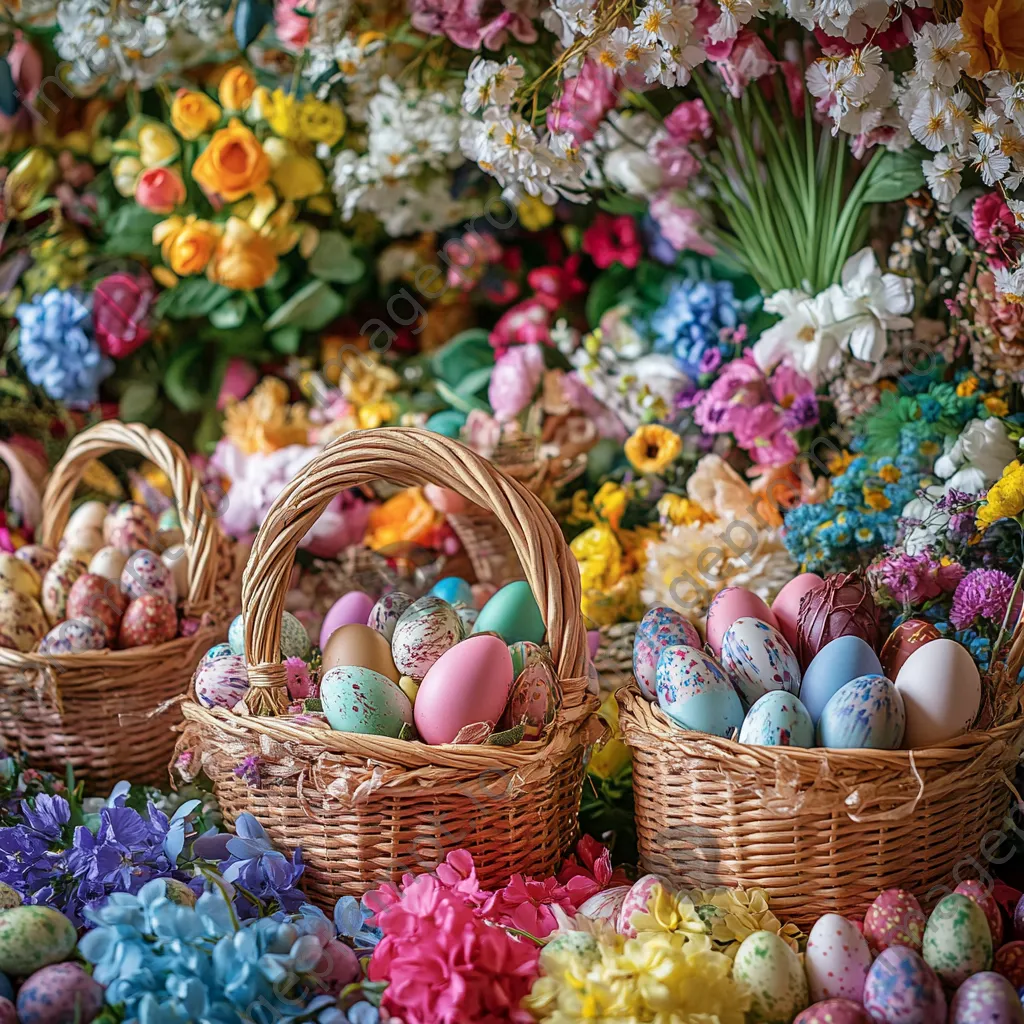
x=583, y=102
x=689, y=121
x=682, y=226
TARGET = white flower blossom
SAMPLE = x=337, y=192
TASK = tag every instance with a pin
x=1010, y=285
x=490, y=84
x=943, y=176
x=941, y=59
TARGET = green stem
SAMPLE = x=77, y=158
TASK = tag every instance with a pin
x=1006, y=618
x=848, y=219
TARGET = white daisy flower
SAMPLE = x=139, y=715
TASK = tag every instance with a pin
x=941, y=59
x=611, y=50
x=930, y=123
x=943, y=176
x=1010, y=285
x=990, y=163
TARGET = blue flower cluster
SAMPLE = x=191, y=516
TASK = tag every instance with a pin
x=57, y=349
x=689, y=322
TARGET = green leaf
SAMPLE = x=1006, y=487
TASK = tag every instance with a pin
x=334, y=260
x=181, y=375
x=191, y=297
x=616, y=204
x=894, y=176
x=310, y=308
x=129, y=232
x=474, y=381
x=606, y=292
x=468, y=352
x=139, y=402
x=8, y=90
x=230, y=313
x=286, y=340
x=464, y=403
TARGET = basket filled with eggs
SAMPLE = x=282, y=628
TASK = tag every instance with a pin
x=103, y=620
x=803, y=750
x=420, y=726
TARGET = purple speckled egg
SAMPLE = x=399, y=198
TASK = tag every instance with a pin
x=1009, y=962
x=606, y=905
x=986, y=998
x=146, y=573
x=59, y=994
x=636, y=903
x=660, y=628
x=221, y=682
x=902, y=989
x=74, y=636
x=894, y=919
x=384, y=615
x=834, y=1011
x=130, y=527
x=982, y=895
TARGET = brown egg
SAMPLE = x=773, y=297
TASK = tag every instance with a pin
x=906, y=638
x=359, y=646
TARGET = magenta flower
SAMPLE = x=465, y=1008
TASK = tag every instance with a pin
x=910, y=579
x=993, y=224
x=471, y=23
x=985, y=594
x=121, y=306
x=689, y=122
x=528, y=322
x=583, y=102
x=613, y=240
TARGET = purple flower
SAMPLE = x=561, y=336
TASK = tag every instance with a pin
x=983, y=593
x=910, y=579
x=259, y=871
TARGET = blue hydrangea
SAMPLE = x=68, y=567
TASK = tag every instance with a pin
x=57, y=350
x=688, y=323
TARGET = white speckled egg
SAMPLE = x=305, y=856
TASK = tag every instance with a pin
x=467, y=616
x=695, y=693
x=16, y=574
x=39, y=557
x=89, y=515
x=902, y=989
x=145, y=573
x=176, y=559
x=579, y=944
x=130, y=527
x=837, y=959
x=636, y=903
x=957, y=941
x=866, y=713
x=22, y=622
x=660, y=627
x=83, y=544
x=986, y=998
x=426, y=629
x=384, y=615
x=295, y=642
x=757, y=659
x=221, y=682
x=109, y=563
x=75, y=636
x=778, y=719
x=605, y=905
x=57, y=585
x=773, y=975
x=360, y=700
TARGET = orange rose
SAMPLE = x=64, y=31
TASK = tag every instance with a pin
x=408, y=516
x=193, y=113
x=993, y=32
x=236, y=89
x=159, y=189
x=186, y=245
x=233, y=164
x=244, y=260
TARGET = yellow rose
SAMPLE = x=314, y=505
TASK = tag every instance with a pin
x=193, y=113
x=260, y=105
x=283, y=115
x=236, y=89
x=233, y=165
x=186, y=244
x=126, y=171
x=294, y=176
x=157, y=144
x=321, y=122
x=993, y=35
x=243, y=260
x=280, y=229
x=29, y=181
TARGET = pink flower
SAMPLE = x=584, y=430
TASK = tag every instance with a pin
x=159, y=189
x=470, y=23
x=526, y=323
x=26, y=66
x=678, y=165
x=689, y=122
x=240, y=377
x=515, y=379
x=525, y=904
x=910, y=579
x=994, y=225
x=591, y=872
x=583, y=102
x=741, y=60
x=681, y=226
x=121, y=304
x=300, y=684
x=762, y=433
x=613, y=240
x=469, y=257
x=292, y=28
x=725, y=405
x=796, y=395
x=558, y=283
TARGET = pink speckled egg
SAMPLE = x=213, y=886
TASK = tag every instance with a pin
x=786, y=606
x=39, y=557
x=606, y=905
x=636, y=903
x=57, y=585
x=149, y=619
x=1009, y=962
x=534, y=697
x=221, y=682
x=731, y=604
x=894, y=919
x=986, y=998
x=60, y=994
x=834, y=1011
x=837, y=959
x=659, y=629
x=145, y=573
x=982, y=895
x=902, y=989
x=75, y=636
x=96, y=597
x=130, y=527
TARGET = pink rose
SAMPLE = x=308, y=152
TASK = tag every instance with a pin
x=526, y=323
x=121, y=305
x=27, y=71
x=159, y=189
x=741, y=61
x=516, y=377
x=292, y=28
x=240, y=377
x=678, y=165
x=681, y=226
x=583, y=102
x=689, y=121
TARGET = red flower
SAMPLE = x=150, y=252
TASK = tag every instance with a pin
x=994, y=226
x=612, y=240
x=121, y=305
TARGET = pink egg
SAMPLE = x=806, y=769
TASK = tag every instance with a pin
x=982, y=895
x=350, y=609
x=837, y=959
x=986, y=998
x=894, y=919
x=834, y=1011
x=593, y=641
x=636, y=903
x=729, y=605
x=786, y=606
x=444, y=500
x=902, y=989
x=606, y=905
x=468, y=683
x=1009, y=962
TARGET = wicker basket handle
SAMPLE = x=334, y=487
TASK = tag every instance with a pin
x=407, y=457
x=28, y=475
x=202, y=537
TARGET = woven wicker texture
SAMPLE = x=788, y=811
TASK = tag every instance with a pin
x=366, y=809
x=614, y=658
x=823, y=831
x=107, y=711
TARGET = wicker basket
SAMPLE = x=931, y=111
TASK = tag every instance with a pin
x=822, y=830
x=366, y=809
x=614, y=658
x=109, y=713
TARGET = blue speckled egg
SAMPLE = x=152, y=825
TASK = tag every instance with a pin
x=866, y=713
x=454, y=590
x=837, y=663
x=360, y=700
x=695, y=693
x=217, y=651
x=221, y=682
x=73, y=636
x=778, y=719
x=384, y=615
x=660, y=627
x=59, y=994
x=902, y=989
x=986, y=998
x=427, y=629
x=757, y=659
x=295, y=642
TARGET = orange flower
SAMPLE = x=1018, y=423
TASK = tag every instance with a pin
x=186, y=245
x=233, y=164
x=193, y=113
x=236, y=88
x=993, y=32
x=244, y=260
x=407, y=517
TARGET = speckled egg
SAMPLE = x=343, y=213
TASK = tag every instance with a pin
x=90, y=515
x=902, y=989
x=695, y=693
x=217, y=651
x=1009, y=962
x=605, y=905
x=982, y=895
x=295, y=642
x=986, y=998
x=96, y=597
x=579, y=944
x=866, y=713
x=384, y=615
x=427, y=629
x=75, y=636
x=9, y=897
x=834, y=1011
x=363, y=701
x=37, y=556
x=221, y=682
x=957, y=941
x=836, y=960
x=130, y=527
x=176, y=560
x=17, y=574
x=525, y=652
x=468, y=616
x=636, y=903
x=33, y=937
x=757, y=659
x=844, y=659
x=145, y=573
x=109, y=563
x=22, y=622
x=778, y=719
x=150, y=619
x=773, y=975
x=534, y=697
x=57, y=585
x=894, y=919
x=660, y=627
x=59, y=994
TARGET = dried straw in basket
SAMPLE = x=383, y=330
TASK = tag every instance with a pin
x=109, y=712
x=822, y=830
x=366, y=809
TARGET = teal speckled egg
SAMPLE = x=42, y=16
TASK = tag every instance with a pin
x=32, y=937
x=773, y=975
x=778, y=719
x=295, y=642
x=957, y=941
x=866, y=713
x=361, y=700
x=513, y=614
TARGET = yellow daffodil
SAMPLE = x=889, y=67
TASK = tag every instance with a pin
x=653, y=448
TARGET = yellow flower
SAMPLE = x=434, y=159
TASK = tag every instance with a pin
x=1005, y=498
x=612, y=755
x=600, y=557
x=967, y=386
x=405, y=518
x=534, y=214
x=996, y=406
x=281, y=230
x=321, y=122
x=890, y=474
x=680, y=511
x=653, y=448
x=233, y=165
x=193, y=113
x=876, y=500
x=376, y=414
x=265, y=422
x=993, y=35
x=126, y=171
x=28, y=182
x=243, y=260
x=610, y=502
x=294, y=176
x=157, y=145
x=186, y=244
x=283, y=115
x=362, y=378
x=669, y=911
x=733, y=914
x=236, y=88
x=840, y=462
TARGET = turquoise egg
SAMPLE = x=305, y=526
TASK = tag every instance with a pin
x=454, y=590
x=695, y=693
x=169, y=519
x=360, y=700
x=32, y=938
x=513, y=614
x=448, y=422
x=660, y=627
x=295, y=642
x=778, y=719
x=957, y=940
x=866, y=714
x=217, y=651
x=837, y=663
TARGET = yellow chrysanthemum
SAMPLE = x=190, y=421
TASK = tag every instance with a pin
x=1005, y=498
x=680, y=511
x=653, y=448
x=265, y=421
x=733, y=914
x=996, y=406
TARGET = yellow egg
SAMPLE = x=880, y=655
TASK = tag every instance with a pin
x=360, y=647
x=409, y=687
x=18, y=575
x=22, y=622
